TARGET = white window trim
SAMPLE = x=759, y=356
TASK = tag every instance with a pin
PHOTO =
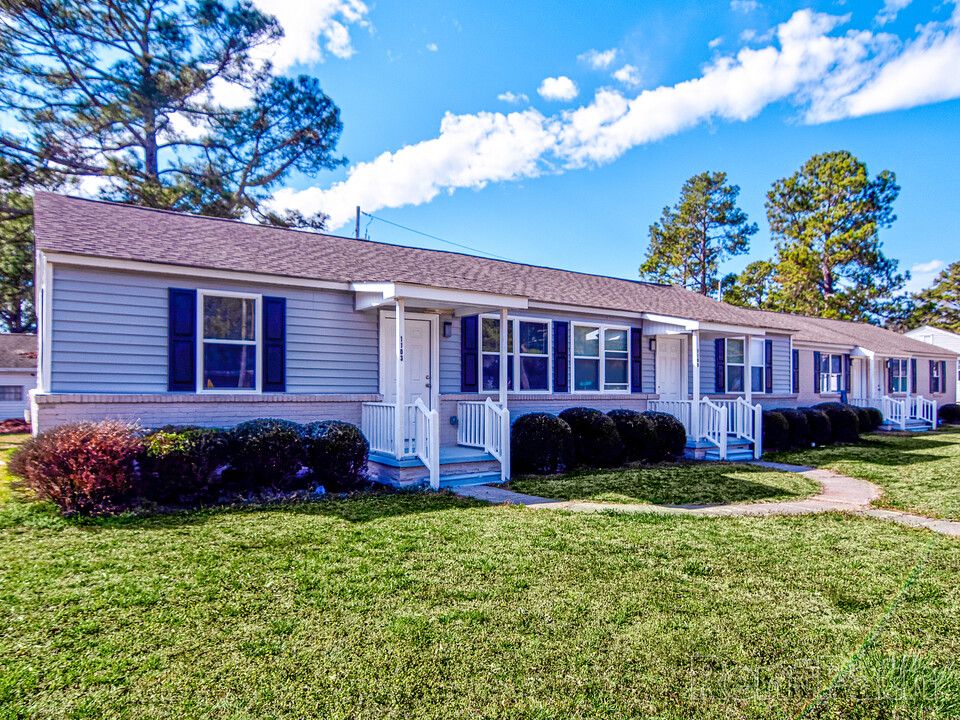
x=935, y=374
x=902, y=363
x=747, y=378
x=602, y=358
x=258, y=335
x=828, y=375
x=748, y=366
x=514, y=321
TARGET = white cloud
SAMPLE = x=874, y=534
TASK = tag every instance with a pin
x=312, y=29
x=826, y=74
x=715, y=43
x=923, y=275
x=558, y=88
x=628, y=75
x=432, y=47
x=513, y=98
x=598, y=60
x=746, y=6
x=890, y=10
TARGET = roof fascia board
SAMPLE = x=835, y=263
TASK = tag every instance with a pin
x=741, y=329
x=138, y=266
x=390, y=291
x=584, y=309
x=808, y=345
x=685, y=323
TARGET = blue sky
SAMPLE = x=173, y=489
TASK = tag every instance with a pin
x=555, y=133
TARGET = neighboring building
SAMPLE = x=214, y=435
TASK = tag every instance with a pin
x=940, y=338
x=18, y=374
x=168, y=318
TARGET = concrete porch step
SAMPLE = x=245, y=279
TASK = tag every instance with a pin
x=468, y=479
x=911, y=426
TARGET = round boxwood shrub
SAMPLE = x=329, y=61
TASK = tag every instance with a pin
x=596, y=442
x=799, y=427
x=865, y=422
x=776, y=431
x=540, y=443
x=949, y=413
x=876, y=417
x=266, y=453
x=821, y=431
x=671, y=435
x=336, y=453
x=843, y=421
x=181, y=464
x=638, y=434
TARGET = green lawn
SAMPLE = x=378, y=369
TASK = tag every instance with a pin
x=919, y=472
x=675, y=484
x=426, y=605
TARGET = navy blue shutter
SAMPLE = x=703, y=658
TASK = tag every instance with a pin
x=816, y=372
x=636, y=360
x=719, y=365
x=469, y=357
x=561, y=356
x=847, y=366
x=933, y=388
x=768, y=366
x=796, y=372
x=181, y=340
x=274, y=373
x=913, y=376
x=943, y=376
x=889, y=376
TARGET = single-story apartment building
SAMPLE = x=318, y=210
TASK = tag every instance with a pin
x=940, y=338
x=167, y=318
x=18, y=374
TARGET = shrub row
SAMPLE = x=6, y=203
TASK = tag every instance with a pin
x=949, y=413
x=95, y=468
x=545, y=443
x=823, y=424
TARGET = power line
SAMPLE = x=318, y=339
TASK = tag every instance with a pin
x=434, y=237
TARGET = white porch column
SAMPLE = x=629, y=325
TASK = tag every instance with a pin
x=909, y=379
x=695, y=361
x=872, y=371
x=503, y=357
x=400, y=418
x=748, y=370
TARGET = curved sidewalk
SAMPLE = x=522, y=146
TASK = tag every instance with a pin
x=837, y=493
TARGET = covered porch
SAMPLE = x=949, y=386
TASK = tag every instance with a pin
x=404, y=428
x=890, y=384
x=715, y=401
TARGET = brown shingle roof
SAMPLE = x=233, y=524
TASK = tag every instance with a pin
x=18, y=350
x=102, y=229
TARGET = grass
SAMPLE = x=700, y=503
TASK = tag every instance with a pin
x=917, y=472
x=425, y=605
x=701, y=483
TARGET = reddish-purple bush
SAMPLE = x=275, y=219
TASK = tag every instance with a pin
x=84, y=468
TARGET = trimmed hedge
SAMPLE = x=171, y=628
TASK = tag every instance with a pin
x=865, y=422
x=876, y=417
x=799, y=427
x=821, y=430
x=949, y=413
x=266, y=453
x=84, y=468
x=336, y=453
x=596, y=442
x=843, y=421
x=776, y=431
x=638, y=434
x=671, y=435
x=181, y=464
x=540, y=443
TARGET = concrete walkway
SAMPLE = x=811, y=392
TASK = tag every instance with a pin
x=837, y=493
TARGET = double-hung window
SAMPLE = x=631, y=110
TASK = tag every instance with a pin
x=757, y=365
x=898, y=375
x=831, y=373
x=11, y=393
x=529, y=367
x=937, y=381
x=230, y=342
x=735, y=363
x=601, y=358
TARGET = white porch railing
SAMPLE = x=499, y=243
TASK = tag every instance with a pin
x=713, y=424
x=496, y=427
x=427, y=440
x=377, y=423
x=682, y=410
x=923, y=409
x=470, y=423
x=894, y=411
x=864, y=402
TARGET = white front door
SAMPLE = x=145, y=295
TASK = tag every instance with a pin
x=669, y=368
x=416, y=360
x=860, y=382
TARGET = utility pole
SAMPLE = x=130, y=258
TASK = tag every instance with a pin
x=358, y=222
